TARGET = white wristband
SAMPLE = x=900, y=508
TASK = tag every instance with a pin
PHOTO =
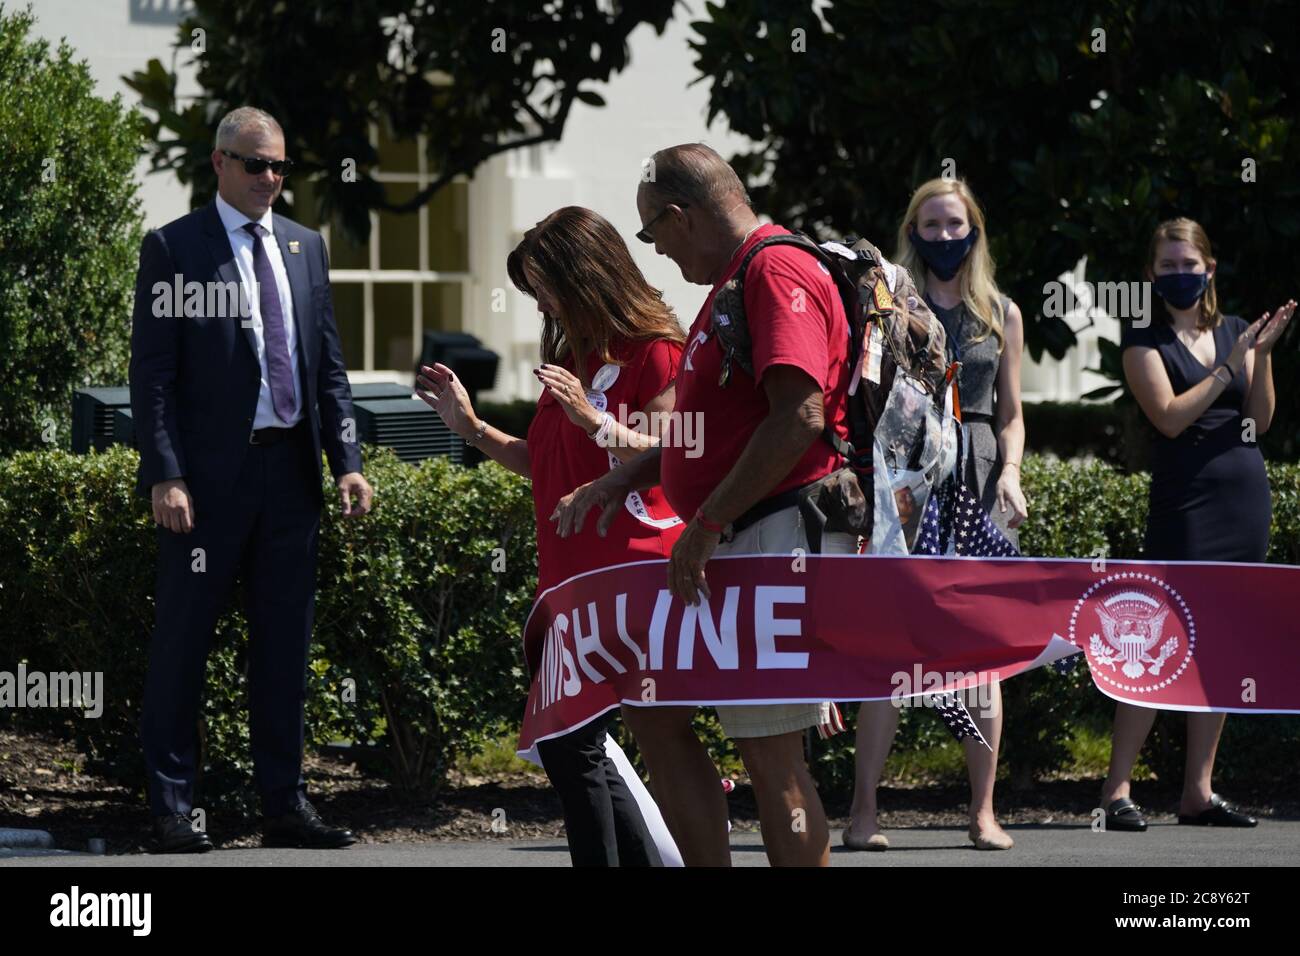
x=601, y=435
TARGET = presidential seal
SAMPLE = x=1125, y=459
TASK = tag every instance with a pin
x=1140, y=633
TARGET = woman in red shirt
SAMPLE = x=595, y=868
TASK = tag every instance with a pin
x=610, y=350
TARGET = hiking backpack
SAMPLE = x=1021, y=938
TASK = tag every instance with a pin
x=900, y=417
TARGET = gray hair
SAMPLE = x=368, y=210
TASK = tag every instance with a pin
x=241, y=118
x=694, y=174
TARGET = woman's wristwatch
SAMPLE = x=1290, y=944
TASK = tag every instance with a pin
x=1231, y=374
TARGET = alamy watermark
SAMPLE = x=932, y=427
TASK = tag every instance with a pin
x=1071, y=296
x=918, y=688
x=180, y=299
x=74, y=689
x=674, y=429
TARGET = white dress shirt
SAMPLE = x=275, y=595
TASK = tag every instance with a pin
x=241, y=243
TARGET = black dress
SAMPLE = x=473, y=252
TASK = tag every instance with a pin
x=1210, y=499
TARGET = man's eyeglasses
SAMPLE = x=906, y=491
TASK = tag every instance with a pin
x=255, y=167
x=644, y=234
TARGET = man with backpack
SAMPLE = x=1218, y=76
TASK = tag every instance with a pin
x=765, y=437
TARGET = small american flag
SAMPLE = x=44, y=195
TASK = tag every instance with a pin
x=1066, y=664
x=952, y=711
x=954, y=523
x=834, y=724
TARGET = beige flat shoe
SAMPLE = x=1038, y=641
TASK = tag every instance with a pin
x=877, y=842
x=983, y=841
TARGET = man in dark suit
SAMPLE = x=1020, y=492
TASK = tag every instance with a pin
x=237, y=383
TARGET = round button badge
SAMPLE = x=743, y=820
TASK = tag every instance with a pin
x=606, y=377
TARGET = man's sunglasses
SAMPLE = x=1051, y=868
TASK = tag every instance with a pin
x=255, y=167
x=644, y=234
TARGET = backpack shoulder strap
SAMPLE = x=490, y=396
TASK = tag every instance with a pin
x=728, y=318
x=848, y=290
x=797, y=239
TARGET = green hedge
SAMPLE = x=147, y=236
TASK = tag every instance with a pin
x=69, y=234
x=417, y=636
x=409, y=609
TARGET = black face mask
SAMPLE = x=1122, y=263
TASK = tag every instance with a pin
x=944, y=256
x=1182, y=290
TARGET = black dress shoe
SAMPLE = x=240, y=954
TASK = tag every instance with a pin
x=303, y=827
x=175, y=833
x=1124, y=814
x=1220, y=814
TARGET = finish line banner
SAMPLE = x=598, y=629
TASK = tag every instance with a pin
x=1179, y=635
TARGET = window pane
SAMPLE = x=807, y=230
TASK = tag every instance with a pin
x=399, y=233
x=349, y=316
x=344, y=253
x=397, y=156
x=304, y=201
x=449, y=229
x=393, y=308
x=442, y=306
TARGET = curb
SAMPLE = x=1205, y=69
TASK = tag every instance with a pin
x=26, y=839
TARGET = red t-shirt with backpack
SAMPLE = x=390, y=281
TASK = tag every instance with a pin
x=796, y=318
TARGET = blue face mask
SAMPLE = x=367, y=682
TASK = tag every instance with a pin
x=944, y=256
x=1182, y=290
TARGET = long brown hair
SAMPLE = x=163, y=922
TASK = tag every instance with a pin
x=1188, y=230
x=602, y=296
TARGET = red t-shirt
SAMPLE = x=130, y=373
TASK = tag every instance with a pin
x=561, y=457
x=796, y=317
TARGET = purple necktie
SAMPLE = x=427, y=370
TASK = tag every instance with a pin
x=279, y=369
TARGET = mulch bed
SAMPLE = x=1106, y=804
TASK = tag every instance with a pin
x=39, y=790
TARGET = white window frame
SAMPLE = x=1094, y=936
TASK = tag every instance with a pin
x=416, y=278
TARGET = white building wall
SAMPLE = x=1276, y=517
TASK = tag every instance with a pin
x=117, y=38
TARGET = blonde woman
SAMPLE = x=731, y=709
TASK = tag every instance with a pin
x=1198, y=375
x=942, y=243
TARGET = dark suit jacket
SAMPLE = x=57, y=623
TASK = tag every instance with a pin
x=195, y=378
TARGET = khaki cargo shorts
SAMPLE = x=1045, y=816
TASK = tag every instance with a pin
x=778, y=533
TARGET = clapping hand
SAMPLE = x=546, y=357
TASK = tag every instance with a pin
x=1274, y=327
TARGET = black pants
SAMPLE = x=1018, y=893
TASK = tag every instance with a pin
x=601, y=817
x=264, y=530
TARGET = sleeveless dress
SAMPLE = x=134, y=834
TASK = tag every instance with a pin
x=1210, y=498
x=975, y=387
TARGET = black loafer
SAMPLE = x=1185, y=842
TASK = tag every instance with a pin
x=1124, y=814
x=175, y=833
x=1220, y=814
x=304, y=828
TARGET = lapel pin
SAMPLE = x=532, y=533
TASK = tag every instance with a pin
x=293, y=246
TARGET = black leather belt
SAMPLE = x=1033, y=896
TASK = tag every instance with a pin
x=271, y=436
x=976, y=417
